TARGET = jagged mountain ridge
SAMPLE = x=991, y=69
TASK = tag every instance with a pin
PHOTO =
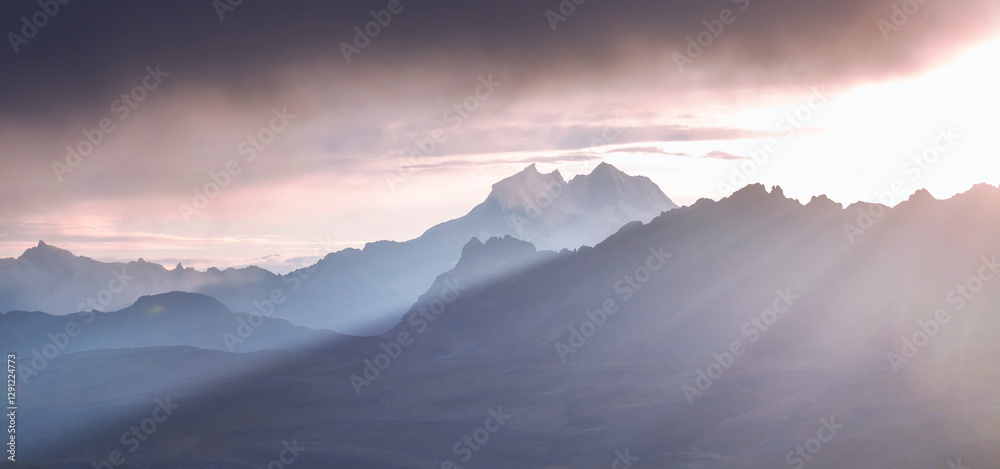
x=720, y=248
x=552, y=214
x=847, y=300
x=47, y=278
x=353, y=291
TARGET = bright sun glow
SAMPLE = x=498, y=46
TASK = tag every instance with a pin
x=936, y=130
x=899, y=121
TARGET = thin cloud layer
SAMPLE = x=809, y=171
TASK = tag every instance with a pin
x=163, y=97
x=721, y=155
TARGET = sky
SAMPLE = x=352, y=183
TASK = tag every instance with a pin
x=214, y=134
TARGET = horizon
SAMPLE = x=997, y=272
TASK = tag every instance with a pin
x=306, y=136
x=510, y=234
x=305, y=263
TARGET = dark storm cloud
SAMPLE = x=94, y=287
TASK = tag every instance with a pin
x=88, y=52
x=605, y=75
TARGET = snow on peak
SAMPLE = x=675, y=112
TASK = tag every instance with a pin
x=523, y=190
x=608, y=186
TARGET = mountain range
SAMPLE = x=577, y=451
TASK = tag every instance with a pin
x=174, y=318
x=353, y=291
x=723, y=334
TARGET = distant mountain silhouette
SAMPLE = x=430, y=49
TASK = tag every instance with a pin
x=50, y=279
x=353, y=291
x=726, y=261
x=172, y=319
x=722, y=334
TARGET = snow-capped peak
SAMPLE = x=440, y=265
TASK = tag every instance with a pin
x=524, y=190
